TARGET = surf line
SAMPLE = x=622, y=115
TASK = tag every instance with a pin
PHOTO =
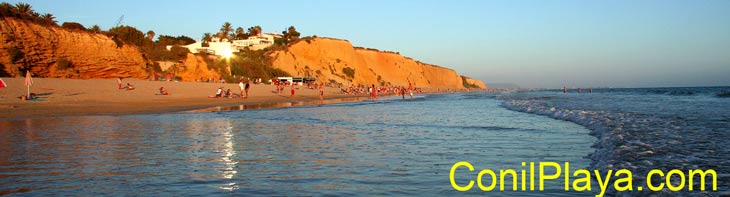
x=582, y=181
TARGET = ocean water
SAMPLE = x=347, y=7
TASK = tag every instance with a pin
x=645, y=128
x=388, y=146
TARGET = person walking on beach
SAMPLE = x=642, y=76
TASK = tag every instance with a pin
x=246, y=88
x=321, y=91
x=292, y=90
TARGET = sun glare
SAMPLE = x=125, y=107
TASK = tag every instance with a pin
x=227, y=53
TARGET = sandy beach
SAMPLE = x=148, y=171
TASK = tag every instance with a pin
x=71, y=97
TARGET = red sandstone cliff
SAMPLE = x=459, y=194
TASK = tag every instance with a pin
x=26, y=45
x=326, y=59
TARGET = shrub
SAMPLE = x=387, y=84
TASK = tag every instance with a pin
x=73, y=25
x=349, y=72
x=179, y=52
x=129, y=35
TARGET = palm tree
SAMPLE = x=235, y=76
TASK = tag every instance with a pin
x=48, y=18
x=6, y=9
x=207, y=37
x=150, y=35
x=225, y=30
x=240, y=34
x=23, y=9
x=254, y=31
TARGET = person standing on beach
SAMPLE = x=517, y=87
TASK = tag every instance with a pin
x=292, y=90
x=373, y=92
x=119, y=82
x=321, y=91
x=246, y=88
x=410, y=89
x=403, y=92
x=565, y=90
x=240, y=87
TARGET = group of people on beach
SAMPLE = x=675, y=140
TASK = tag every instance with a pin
x=244, y=87
x=374, y=91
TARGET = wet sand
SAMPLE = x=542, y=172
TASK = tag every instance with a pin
x=72, y=97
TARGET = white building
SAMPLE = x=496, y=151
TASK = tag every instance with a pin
x=222, y=47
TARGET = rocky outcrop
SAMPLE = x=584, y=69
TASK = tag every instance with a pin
x=195, y=68
x=57, y=52
x=333, y=60
x=475, y=82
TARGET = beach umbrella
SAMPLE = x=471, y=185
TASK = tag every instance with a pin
x=2, y=84
x=28, y=81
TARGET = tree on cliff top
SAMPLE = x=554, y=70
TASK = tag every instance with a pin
x=165, y=40
x=95, y=29
x=290, y=34
x=150, y=35
x=24, y=11
x=226, y=29
x=128, y=34
x=254, y=31
x=240, y=34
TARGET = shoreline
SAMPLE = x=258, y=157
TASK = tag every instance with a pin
x=89, y=97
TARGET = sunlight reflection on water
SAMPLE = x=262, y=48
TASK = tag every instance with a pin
x=383, y=147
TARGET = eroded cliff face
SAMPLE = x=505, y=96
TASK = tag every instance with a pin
x=329, y=60
x=195, y=68
x=57, y=52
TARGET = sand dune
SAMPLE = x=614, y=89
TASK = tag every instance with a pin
x=63, y=97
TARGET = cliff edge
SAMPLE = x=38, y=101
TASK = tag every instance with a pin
x=334, y=60
x=57, y=52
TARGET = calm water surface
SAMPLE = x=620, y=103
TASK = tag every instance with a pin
x=383, y=147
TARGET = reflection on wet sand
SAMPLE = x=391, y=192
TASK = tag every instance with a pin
x=274, y=105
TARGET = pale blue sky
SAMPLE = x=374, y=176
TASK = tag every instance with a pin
x=547, y=43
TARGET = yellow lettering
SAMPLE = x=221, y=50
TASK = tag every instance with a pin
x=628, y=179
x=494, y=180
x=523, y=177
x=601, y=182
x=567, y=177
x=648, y=180
x=502, y=174
x=544, y=177
x=532, y=176
x=669, y=178
x=702, y=178
x=586, y=180
x=451, y=176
